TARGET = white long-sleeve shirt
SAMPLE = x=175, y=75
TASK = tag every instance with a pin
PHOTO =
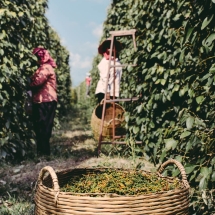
x=103, y=72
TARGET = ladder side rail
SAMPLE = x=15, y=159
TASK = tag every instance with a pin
x=115, y=34
x=124, y=65
x=105, y=98
x=114, y=89
x=123, y=100
x=134, y=42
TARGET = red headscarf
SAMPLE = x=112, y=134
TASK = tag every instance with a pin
x=44, y=56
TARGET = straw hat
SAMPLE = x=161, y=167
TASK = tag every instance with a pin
x=106, y=44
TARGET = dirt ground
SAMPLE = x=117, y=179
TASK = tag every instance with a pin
x=20, y=179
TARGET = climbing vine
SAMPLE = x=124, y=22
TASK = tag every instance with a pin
x=23, y=27
x=174, y=79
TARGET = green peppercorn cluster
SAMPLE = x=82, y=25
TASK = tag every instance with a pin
x=121, y=183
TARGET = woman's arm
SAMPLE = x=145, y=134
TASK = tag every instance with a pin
x=40, y=77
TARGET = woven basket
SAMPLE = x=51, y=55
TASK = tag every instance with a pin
x=50, y=200
x=107, y=131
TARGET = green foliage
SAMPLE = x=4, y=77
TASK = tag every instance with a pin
x=74, y=96
x=174, y=79
x=23, y=27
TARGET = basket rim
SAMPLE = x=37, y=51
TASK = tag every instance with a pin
x=114, y=195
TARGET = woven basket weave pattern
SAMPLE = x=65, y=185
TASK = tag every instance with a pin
x=50, y=200
x=107, y=131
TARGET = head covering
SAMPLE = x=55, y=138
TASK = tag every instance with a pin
x=106, y=45
x=44, y=56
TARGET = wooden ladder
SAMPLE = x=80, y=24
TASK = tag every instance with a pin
x=115, y=34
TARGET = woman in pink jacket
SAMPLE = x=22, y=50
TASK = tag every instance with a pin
x=44, y=91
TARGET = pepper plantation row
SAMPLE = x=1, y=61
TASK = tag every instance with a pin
x=23, y=27
x=175, y=81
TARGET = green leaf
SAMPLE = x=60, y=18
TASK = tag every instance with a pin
x=188, y=146
x=193, y=176
x=2, y=52
x=212, y=69
x=206, y=21
x=7, y=124
x=163, y=81
x=170, y=144
x=20, y=14
x=177, y=17
x=205, y=76
x=213, y=161
x=185, y=134
x=203, y=183
x=200, y=99
x=181, y=57
x=205, y=171
x=163, y=155
x=199, y=122
x=213, y=176
x=127, y=118
x=189, y=169
x=139, y=108
x=188, y=34
x=176, y=88
x=189, y=122
x=207, y=42
x=136, y=129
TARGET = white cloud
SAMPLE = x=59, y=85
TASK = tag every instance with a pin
x=91, y=46
x=76, y=61
x=98, y=30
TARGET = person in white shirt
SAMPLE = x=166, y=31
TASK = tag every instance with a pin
x=104, y=50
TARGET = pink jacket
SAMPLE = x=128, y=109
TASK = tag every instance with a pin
x=43, y=84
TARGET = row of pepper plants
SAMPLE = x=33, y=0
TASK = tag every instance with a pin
x=175, y=81
x=23, y=27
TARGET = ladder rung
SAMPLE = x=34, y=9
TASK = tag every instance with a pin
x=123, y=32
x=118, y=137
x=122, y=100
x=123, y=65
x=118, y=142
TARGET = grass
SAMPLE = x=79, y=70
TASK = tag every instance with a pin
x=16, y=206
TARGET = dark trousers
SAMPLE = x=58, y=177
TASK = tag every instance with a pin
x=43, y=120
x=101, y=96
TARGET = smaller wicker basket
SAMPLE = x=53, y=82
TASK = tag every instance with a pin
x=107, y=131
x=50, y=200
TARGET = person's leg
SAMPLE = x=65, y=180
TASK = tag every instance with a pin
x=37, y=127
x=100, y=96
x=51, y=107
x=44, y=114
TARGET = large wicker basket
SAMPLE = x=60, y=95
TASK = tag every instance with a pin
x=50, y=200
x=107, y=131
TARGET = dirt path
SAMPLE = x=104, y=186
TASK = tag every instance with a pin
x=72, y=147
x=22, y=177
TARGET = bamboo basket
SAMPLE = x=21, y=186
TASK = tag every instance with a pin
x=49, y=200
x=107, y=131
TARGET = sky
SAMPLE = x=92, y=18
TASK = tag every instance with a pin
x=79, y=24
